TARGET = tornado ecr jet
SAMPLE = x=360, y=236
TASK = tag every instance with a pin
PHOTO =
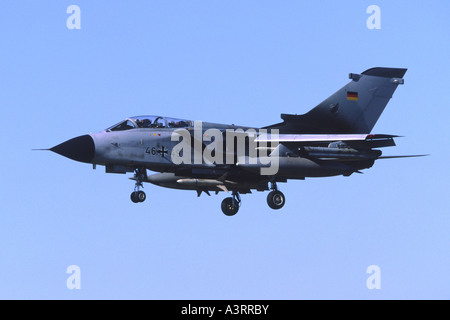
x=332, y=139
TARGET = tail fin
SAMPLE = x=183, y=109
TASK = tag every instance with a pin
x=355, y=108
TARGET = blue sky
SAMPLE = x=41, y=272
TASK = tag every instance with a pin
x=242, y=62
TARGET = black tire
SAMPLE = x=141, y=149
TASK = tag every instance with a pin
x=228, y=208
x=141, y=196
x=276, y=200
x=133, y=197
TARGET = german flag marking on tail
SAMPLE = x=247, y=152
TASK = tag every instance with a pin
x=352, y=96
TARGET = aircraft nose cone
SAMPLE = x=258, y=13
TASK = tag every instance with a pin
x=79, y=149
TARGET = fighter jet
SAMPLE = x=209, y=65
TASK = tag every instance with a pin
x=334, y=138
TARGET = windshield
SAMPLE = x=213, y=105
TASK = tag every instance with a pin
x=124, y=125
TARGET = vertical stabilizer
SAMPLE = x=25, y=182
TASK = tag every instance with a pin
x=355, y=108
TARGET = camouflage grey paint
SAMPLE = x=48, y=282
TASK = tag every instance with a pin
x=332, y=139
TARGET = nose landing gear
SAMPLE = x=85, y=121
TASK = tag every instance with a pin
x=138, y=195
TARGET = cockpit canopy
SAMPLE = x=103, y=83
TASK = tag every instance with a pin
x=150, y=122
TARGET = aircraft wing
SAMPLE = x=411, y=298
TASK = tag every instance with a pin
x=355, y=140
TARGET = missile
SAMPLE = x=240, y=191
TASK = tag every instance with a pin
x=170, y=180
x=204, y=183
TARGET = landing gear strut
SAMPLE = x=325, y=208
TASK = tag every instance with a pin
x=275, y=198
x=138, y=195
x=230, y=205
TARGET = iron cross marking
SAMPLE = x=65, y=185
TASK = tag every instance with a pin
x=162, y=151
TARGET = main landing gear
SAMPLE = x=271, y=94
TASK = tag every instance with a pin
x=230, y=205
x=138, y=195
x=275, y=198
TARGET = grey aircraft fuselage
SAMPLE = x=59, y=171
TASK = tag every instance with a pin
x=332, y=139
x=148, y=147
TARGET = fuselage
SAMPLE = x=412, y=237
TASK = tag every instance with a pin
x=331, y=139
x=133, y=144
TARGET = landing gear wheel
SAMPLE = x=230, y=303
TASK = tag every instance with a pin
x=230, y=206
x=138, y=196
x=140, y=176
x=133, y=197
x=276, y=199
